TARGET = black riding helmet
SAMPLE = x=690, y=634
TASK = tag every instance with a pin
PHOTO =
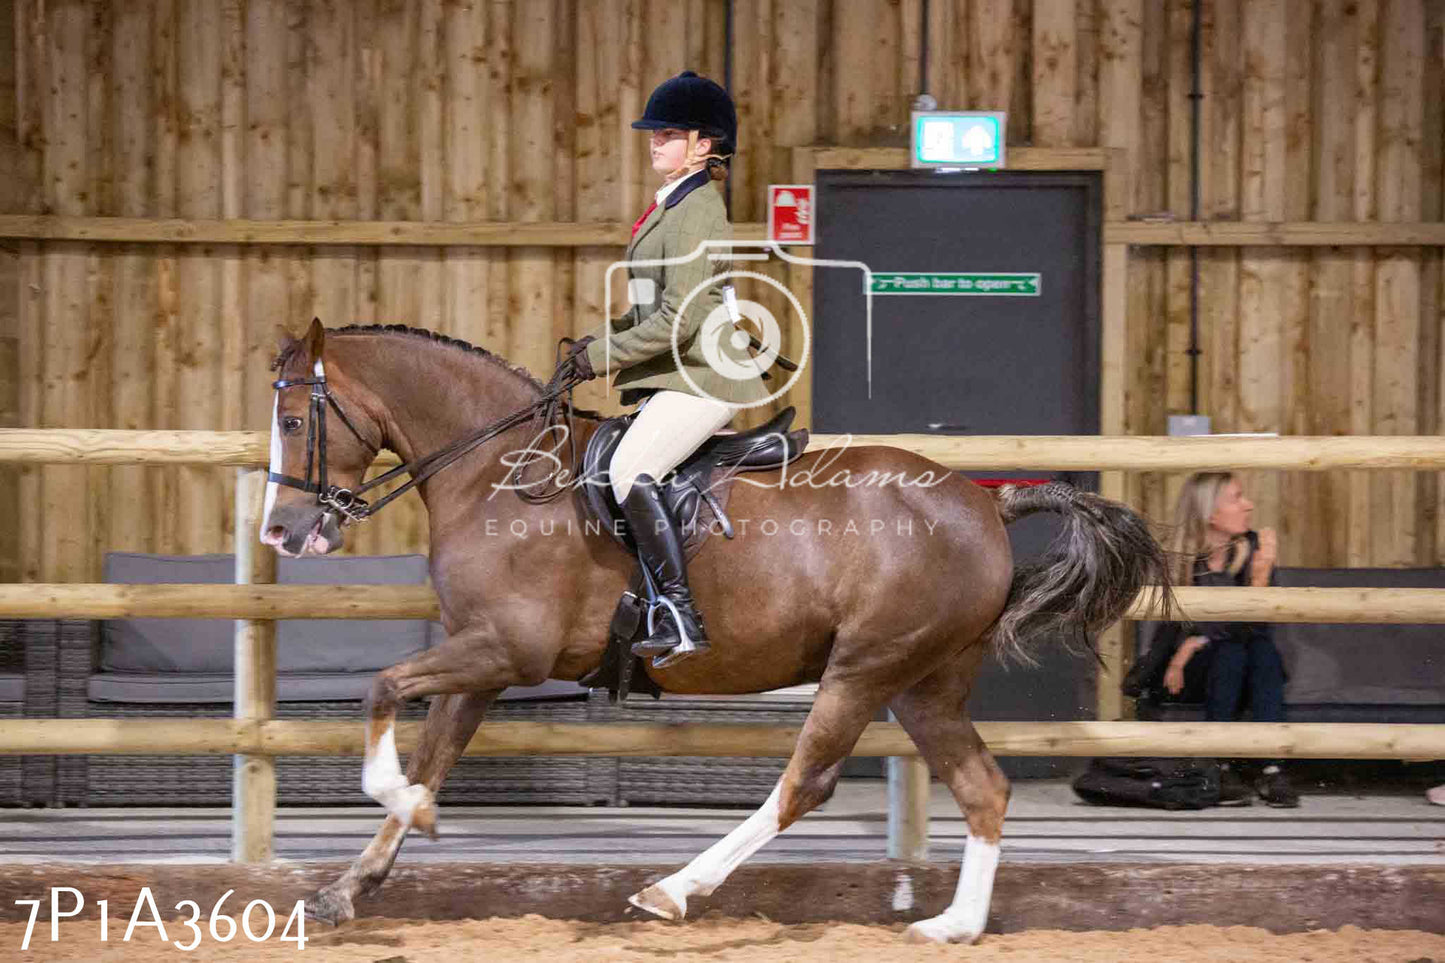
x=690, y=102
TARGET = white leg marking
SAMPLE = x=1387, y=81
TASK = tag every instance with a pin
x=272, y=487
x=708, y=871
x=965, y=918
x=383, y=780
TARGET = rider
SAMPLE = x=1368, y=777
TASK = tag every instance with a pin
x=694, y=133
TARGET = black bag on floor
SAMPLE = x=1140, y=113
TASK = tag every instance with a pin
x=1158, y=783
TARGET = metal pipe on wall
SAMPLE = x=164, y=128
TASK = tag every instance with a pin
x=1195, y=96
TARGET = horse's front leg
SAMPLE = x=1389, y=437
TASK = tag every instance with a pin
x=450, y=725
x=464, y=663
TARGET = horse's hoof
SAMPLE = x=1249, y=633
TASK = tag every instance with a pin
x=331, y=907
x=424, y=817
x=938, y=930
x=655, y=900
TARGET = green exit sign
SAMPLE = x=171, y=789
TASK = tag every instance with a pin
x=978, y=285
x=958, y=139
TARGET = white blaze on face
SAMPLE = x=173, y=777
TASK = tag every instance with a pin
x=272, y=487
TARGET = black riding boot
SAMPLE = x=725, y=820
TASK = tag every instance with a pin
x=659, y=542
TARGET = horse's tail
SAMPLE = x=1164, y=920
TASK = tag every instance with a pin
x=1087, y=578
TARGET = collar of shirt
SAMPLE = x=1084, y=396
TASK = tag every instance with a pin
x=671, y=186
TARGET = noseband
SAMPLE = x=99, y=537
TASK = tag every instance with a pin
x=348, y=505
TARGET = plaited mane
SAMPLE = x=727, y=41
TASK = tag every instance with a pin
x=435, y=338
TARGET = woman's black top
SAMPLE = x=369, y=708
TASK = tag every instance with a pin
x=1228, y=631
x=1147, y=674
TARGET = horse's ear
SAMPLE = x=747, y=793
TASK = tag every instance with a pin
x=315, y=339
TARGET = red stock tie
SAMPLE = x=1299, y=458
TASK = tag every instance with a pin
x=637, y=226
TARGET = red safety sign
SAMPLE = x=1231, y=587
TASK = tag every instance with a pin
x=790, y=213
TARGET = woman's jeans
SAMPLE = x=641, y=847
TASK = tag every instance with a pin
x=1244, y=670
x=1237, y=673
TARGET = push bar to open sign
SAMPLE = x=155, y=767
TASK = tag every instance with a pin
x=916, y=282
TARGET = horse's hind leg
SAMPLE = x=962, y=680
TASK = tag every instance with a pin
x=932, y=713
x=833, y=726
x=450, y=724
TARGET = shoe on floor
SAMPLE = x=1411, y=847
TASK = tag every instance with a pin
x=1436, y=795
x=1274, y=789
x=1233, y=790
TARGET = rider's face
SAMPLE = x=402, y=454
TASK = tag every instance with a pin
x=669, y=149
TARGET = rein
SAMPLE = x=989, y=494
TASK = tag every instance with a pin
x=348, y=504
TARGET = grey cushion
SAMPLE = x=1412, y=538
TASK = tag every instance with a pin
x=350, y=645
x=12, y=687
x=162, y=687
x=1350, y=663
x=303, y=645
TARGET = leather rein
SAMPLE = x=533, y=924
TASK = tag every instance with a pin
x=348, y=504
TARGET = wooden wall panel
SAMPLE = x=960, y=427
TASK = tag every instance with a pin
x=1432, y=298
x=1055, y=73
x=460, y=110
x=1397, y=275
x=12, y=197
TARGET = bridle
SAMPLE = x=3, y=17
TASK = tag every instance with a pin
x=347, y=503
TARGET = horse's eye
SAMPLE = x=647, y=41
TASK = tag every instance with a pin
x=291, y=423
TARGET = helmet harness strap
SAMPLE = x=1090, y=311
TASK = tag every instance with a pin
x=689, y=159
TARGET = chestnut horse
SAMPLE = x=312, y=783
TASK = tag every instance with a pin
x=897, y=614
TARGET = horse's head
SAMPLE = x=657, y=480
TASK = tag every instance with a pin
x=321, y=441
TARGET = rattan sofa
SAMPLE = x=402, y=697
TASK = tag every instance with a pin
x=80, y=669
x=703, y=780
x=153, y=668
x=29, y=676
x=1345, y=672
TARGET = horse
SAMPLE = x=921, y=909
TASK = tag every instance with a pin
x=901, y=617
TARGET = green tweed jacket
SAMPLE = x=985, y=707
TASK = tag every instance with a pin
x=637, y=348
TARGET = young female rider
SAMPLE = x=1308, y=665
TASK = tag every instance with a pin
x=677, y=313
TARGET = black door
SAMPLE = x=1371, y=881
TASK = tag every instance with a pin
x=1016, y=355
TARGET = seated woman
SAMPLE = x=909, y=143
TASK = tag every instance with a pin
x=1230, y=664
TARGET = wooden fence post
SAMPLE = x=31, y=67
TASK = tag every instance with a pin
x=253, y=788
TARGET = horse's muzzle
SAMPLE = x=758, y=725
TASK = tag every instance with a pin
x=306, y=532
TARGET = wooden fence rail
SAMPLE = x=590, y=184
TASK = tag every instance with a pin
x=256, y=739
x=270, y=737
x=144, y=230
x=1405, y=606
x=977, y=452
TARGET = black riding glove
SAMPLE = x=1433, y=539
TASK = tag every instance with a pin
x=577, y=358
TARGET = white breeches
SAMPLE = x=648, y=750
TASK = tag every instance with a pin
x=670, y=426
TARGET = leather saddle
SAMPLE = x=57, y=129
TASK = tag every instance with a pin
x=697, y=494
x=695, y=489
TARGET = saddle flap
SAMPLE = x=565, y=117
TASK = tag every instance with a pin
x=597, y=495
x=726, y=450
